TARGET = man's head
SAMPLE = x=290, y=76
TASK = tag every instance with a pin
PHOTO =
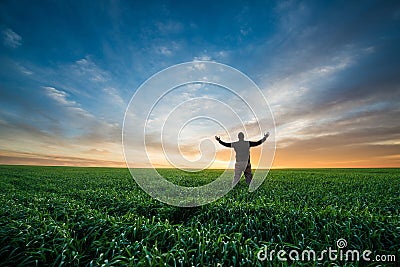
x=240, y=136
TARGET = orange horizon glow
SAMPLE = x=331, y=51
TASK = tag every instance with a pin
x=283, y=159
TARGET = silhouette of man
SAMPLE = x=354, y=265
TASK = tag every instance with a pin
x=242, y=150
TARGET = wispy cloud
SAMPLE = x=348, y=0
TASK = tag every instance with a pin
x=50, y=159
x=115, y=96
x=167, y=48
x=164, y=50
x=59, y=96
x=24, y=70
x=66, y=129
x=11, y=38
x=88, y=68
x=202, y=58
x=85, y=127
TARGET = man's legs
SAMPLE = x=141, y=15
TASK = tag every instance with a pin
x=239, y=168
x=248, y=174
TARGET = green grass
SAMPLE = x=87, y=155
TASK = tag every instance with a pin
x=99, y=216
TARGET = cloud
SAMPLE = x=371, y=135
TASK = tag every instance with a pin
x=85, y=127
x=245, y=31
x=87, y=67
x=203, y=58
x=329, y=152
x=11, y=38
x=114, y=96
x=58, y=96
x=164, y=50
x=26, y=158
x=167, y=48
x=199, y=66
x=61, y=132
x=24, y=70
x=69, y=109
x=329, y=142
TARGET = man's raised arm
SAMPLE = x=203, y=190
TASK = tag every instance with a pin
x=259, y=142
x=222, y=142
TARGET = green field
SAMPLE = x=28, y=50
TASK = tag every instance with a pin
x=99, y=216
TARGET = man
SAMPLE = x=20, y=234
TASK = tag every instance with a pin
x=242, y=150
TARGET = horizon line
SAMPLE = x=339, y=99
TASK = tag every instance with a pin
x=119, y=167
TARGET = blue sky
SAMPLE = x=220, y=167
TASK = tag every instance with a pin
x=329, y=69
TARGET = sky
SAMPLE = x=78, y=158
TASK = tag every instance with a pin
x=330, y=71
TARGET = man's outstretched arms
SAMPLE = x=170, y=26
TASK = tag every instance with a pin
x=222, y=142
x=259, y=142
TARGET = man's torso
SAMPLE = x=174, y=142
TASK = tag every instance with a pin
x=242, y=149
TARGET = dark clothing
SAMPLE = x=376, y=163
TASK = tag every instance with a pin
x=242, y=167
x=242, y=148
